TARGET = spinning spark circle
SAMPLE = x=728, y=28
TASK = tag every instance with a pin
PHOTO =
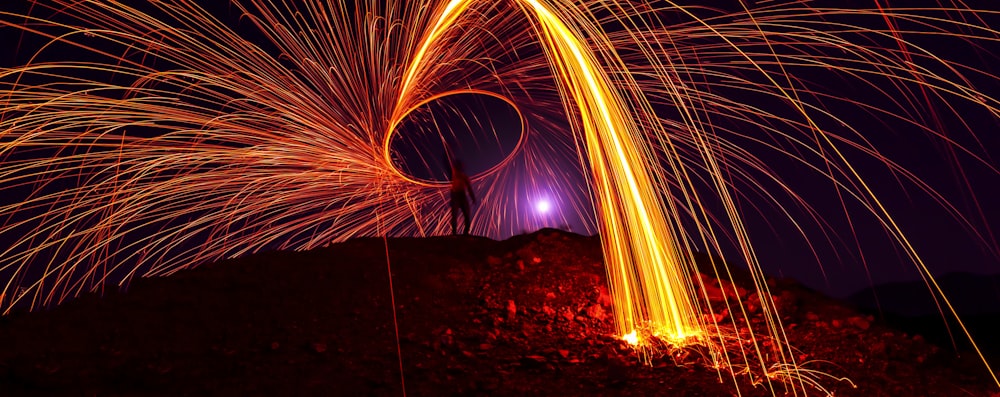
x=180, y=139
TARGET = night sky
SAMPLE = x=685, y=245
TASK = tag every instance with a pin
x=946, y=245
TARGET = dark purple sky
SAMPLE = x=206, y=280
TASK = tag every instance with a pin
x=945, y=244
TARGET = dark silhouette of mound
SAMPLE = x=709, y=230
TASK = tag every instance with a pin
x=525, y=316
x=909, y=306
x=969, y=294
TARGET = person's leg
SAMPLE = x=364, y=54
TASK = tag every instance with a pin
x=454, y=213
x=466, y=216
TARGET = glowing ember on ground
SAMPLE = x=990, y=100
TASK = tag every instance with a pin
x=632, y=338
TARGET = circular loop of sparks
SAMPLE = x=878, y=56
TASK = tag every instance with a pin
x=394, y=124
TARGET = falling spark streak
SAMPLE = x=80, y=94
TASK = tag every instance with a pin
x=645, y=267
x=179, y=141
x=642, y=257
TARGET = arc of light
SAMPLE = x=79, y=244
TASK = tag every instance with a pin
x=641, y=254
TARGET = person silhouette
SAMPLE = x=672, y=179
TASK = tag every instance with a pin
x=459, y=201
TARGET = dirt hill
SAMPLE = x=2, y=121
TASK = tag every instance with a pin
x=525, y=316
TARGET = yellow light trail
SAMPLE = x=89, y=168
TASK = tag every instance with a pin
x=646, y=269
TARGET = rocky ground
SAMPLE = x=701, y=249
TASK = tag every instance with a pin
x=527, y=316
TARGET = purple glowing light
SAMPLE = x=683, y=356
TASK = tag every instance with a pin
x=543, y=206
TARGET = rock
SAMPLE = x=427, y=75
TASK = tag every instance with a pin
x=511, y=310
x=836, y=323
x=595, y=312
x=493, y=261
x=568, y=315
x=812, y=316
x=859, y=322
x=731, y=290
x=564, y=353
x=719, y=317
x=532, y=361
x=319, y=347
x=446, y=339
x=604, y=297
x=705, y=279
x=879, y=347
x=714, y=293
x=536, y=260
x=275, y=345
x=753, y=303
x=548, y=311
x=550, y=295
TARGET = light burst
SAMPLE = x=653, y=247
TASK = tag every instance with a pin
x=181, y=138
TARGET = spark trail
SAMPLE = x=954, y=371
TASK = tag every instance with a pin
x=180, y=137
